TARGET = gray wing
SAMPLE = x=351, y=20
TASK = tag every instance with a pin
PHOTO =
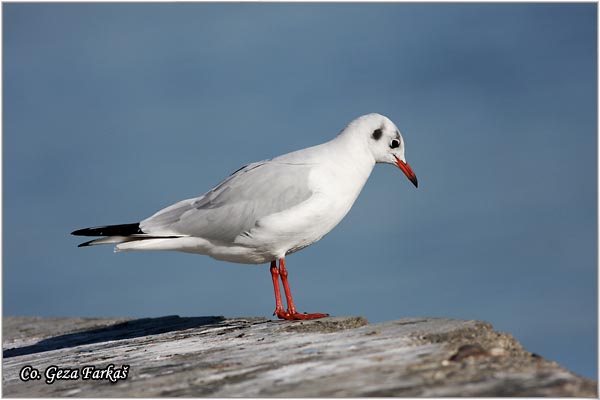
x=236, y=204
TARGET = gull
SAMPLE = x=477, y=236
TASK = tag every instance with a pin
x=268, y=209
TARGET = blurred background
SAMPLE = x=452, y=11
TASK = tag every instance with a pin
x=114, y=111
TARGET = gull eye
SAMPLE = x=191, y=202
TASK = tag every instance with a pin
x=395, y=143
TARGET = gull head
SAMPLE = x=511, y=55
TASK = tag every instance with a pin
x=384, y=141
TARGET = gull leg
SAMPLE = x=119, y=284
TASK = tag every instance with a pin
x=279, y=311
x=291, y=312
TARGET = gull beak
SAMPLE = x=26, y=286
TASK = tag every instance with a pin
x=407, y=171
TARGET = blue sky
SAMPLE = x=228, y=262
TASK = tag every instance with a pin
x=114, y=111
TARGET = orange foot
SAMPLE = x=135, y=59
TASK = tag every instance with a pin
x=297, y=316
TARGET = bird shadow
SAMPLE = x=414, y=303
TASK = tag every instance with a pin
x=124, y=330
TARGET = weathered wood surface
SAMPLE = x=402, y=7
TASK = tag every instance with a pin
x=332, y=357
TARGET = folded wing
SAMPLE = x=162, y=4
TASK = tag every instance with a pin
x=236, y=204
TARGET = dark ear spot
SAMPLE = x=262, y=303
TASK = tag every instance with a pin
x=377, y=134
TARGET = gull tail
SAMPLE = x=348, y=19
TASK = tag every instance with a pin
x=116, y=234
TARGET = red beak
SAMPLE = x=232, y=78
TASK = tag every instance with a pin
x=407, y=171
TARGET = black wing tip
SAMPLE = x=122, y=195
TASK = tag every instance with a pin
x=110, y=230
x=80, y=232
x=86, y=244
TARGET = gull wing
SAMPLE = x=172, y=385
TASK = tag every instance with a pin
x=236, y=204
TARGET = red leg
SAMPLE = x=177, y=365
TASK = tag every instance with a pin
x=279, y=311
x=291, y=310
x=286, y=287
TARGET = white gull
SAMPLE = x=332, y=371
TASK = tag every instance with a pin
x=272, y=208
